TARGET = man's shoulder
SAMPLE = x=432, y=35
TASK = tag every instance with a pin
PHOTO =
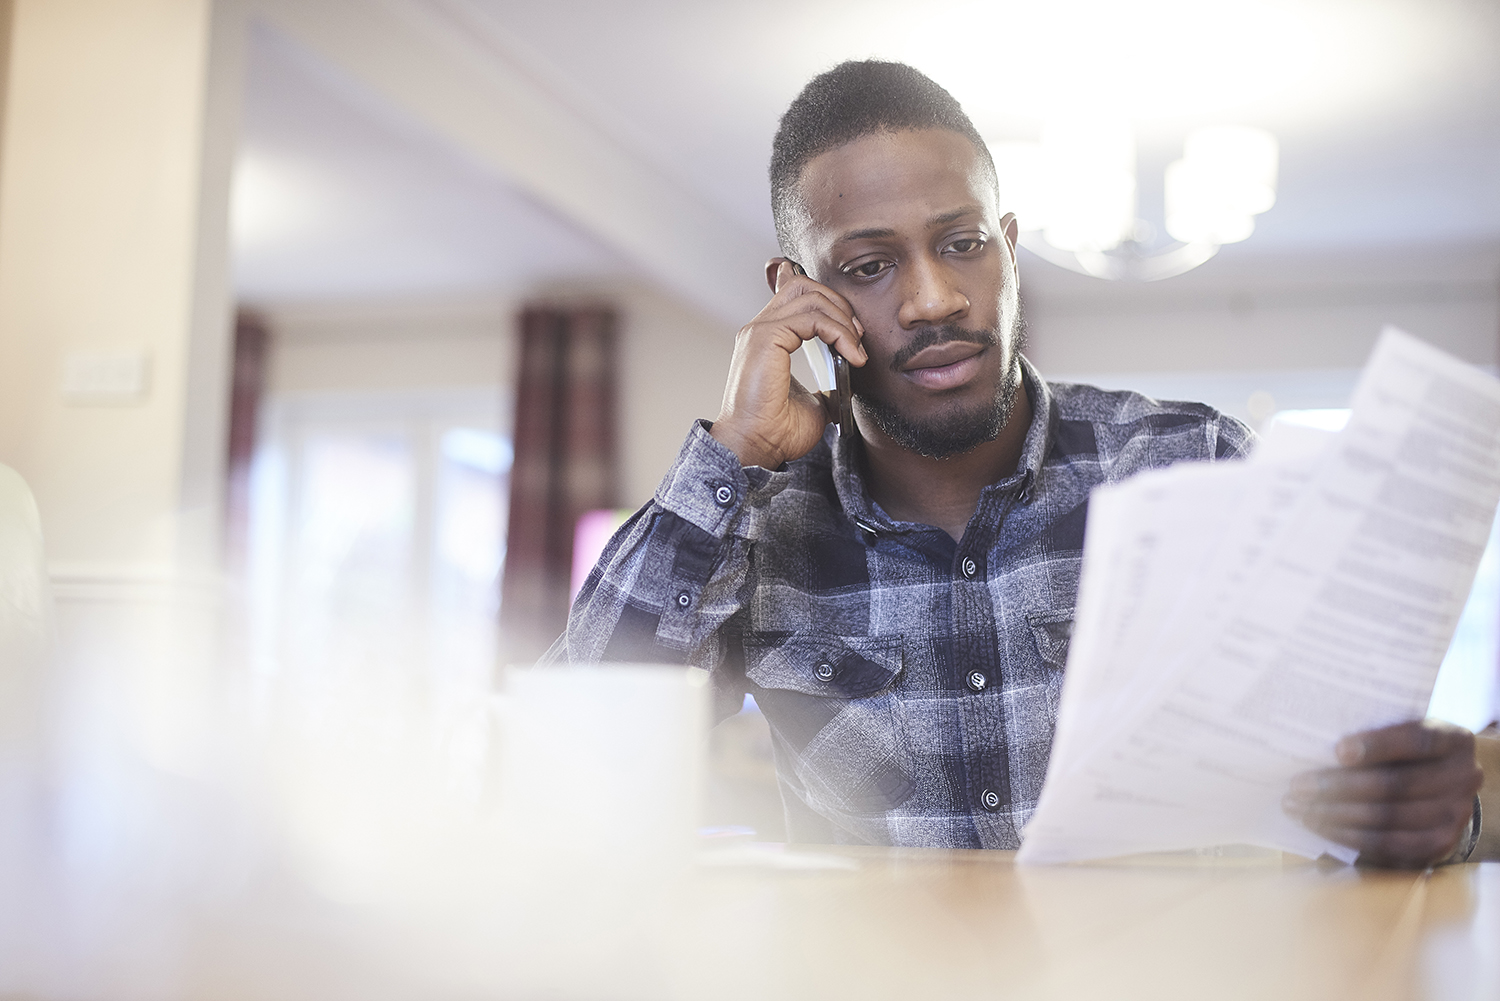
x=1077, y=401
x=1180, y=429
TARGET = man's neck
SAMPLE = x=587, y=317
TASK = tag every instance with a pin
x=942, y=492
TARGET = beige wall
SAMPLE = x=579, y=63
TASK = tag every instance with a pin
x=100, y=236
x=1259, y=313
x=672, y=358
x=385, y=345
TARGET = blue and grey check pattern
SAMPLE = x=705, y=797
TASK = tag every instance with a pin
x=911, y=682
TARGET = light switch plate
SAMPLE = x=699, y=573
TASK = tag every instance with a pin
x=105, y=378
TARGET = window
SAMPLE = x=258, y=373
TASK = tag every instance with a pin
x=377, y=532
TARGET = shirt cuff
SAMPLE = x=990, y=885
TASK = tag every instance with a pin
x=707, y=486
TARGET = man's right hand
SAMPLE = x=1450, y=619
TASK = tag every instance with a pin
x=767, y=417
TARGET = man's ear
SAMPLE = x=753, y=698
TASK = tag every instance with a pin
x=1010, y=228
x=773, y=266
x=1012, y=231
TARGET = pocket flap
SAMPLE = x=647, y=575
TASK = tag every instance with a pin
x=1052, y=631
x=849, y=667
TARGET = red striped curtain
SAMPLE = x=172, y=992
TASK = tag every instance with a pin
x=565, y=464
x=252, y=342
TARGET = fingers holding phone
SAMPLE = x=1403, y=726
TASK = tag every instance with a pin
x=767, y=417
x=789, y=276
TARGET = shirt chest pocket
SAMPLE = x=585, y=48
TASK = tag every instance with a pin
x=846, y=667
x=1034, y=716
x=1052, y=630
x=830, y=701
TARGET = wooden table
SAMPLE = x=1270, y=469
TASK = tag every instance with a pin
x=970, y=924
x=834, y=923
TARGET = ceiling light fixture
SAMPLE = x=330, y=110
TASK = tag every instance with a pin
x=1074, y=195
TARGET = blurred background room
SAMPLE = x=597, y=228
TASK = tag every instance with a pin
x=337, y=335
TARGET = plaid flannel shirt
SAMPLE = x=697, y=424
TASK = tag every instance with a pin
x=911, y=682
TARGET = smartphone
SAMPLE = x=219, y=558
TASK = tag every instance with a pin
x=831, y=372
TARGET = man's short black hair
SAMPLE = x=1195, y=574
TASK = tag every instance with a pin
x=850, y=101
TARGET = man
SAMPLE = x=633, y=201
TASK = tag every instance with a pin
x=899, y=601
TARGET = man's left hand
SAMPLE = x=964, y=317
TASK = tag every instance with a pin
x=1403, y=795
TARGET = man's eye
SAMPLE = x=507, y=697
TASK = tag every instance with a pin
x=967, y=245
x=869, y=269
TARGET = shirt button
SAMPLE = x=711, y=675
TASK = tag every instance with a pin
x=684, y=600
x=969, y=567
x=990, y=800
x=723, y=496
x=976, y=681
x=824, y=671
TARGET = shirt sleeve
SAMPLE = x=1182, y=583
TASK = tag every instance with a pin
x=1235, y=440
x=671, y=583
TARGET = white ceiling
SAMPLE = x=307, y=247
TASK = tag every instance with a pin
x=1388, y=115
x=338, y=196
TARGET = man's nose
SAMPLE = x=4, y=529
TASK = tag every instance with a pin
x=931, y=295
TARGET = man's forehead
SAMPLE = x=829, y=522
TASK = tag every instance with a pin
x=887, y=181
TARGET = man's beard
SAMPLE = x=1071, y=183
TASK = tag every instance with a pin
x=952, y=432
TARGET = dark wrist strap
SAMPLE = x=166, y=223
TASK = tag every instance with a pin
x=1470, y=838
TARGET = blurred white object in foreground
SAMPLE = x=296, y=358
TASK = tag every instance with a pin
x=549, y=881
x=603, y=760
x=25, y=612
x=25, y=640
x=175, y=823
x=348, y=843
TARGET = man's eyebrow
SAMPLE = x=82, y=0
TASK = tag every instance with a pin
x=955, y=215
x=942, y=219
x=866, y=234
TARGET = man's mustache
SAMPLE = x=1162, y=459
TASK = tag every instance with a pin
x=943, y=333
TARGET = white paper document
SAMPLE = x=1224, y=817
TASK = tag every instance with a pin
x=1235, y=620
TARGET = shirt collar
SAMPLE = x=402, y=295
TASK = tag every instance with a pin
x=848, y=478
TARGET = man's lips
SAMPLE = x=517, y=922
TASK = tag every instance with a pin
x=944, y=366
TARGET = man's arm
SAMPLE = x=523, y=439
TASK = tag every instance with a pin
x=1403, y=795
x=672, y=576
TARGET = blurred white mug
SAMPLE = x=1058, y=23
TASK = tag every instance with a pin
x=603, y=762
